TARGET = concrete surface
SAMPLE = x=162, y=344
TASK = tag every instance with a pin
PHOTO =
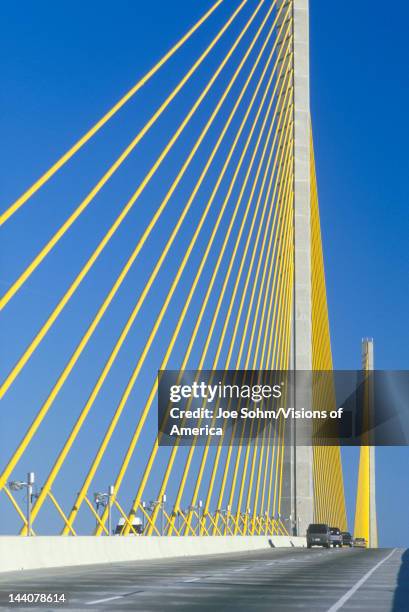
x=302, y=328
x=299, y=493
x=22, y=553
x=278, y=580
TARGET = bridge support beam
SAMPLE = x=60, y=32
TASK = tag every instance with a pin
x=298, y=497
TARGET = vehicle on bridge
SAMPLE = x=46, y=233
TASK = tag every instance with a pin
x=347, y=539
x=318, y=534
x=136, y=524
x=360, y=542
x=336, y=537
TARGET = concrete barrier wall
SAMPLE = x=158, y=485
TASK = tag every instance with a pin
x=22, y=553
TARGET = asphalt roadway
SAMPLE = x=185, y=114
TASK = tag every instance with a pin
x=274, y=580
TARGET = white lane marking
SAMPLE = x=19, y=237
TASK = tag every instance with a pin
x=240, y=569
x=97, y=601
x=337, y=605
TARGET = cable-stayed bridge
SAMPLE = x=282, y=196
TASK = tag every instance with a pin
x=192, y=241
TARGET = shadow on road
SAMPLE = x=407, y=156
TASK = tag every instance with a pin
x=401, y=599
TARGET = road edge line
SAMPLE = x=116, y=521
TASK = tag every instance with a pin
x=338, y=604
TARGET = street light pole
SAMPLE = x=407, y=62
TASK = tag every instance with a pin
x=17, y=485
x=143, y=517
x=110, y=496
x=200, y=516
x=105, y=500
x=163, y=514
x=30, y=482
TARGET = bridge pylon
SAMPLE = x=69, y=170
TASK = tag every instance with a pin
x=365, y=513
x=298, y=492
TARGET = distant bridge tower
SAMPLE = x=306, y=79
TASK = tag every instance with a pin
x=298, y=493
x=365, y=513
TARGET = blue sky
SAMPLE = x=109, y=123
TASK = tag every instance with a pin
x=65, y=64
x=360, y=94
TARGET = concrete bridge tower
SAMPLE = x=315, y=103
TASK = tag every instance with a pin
x=365, y=513
x=298, y=495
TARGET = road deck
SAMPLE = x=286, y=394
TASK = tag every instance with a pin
x=273, y=580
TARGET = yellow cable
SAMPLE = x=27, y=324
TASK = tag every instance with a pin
x=233, y=293
x=249, y=310
x=95, y=128
x=192, y=449
x=79, y=278
x=262, y=316
x=243, y=481
x=155, y=448
x=186, y=305
x=240, y=308
x=74, y=358
x=227, y=316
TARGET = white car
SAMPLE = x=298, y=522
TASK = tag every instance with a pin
x=136, y=523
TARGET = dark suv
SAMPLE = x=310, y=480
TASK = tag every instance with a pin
x=336, y=537
x=346, y=539
x=318, y=534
